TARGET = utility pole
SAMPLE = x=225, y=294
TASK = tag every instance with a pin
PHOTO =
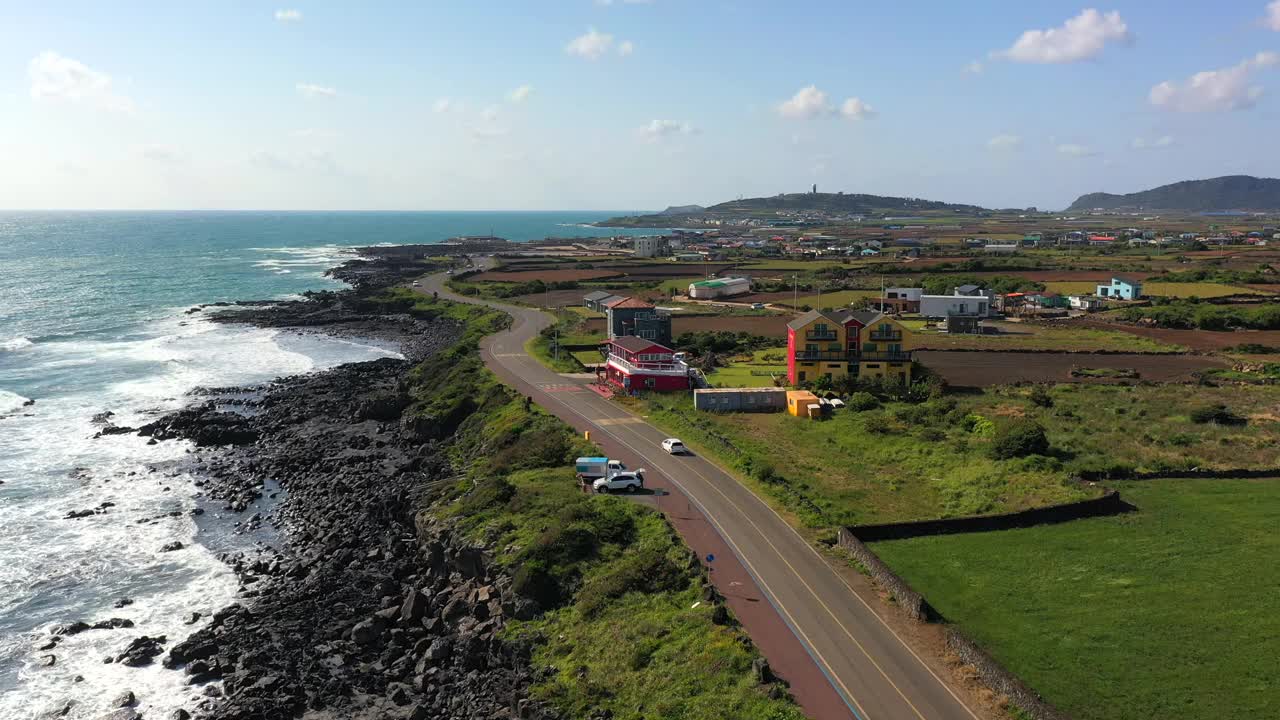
x=795, y=292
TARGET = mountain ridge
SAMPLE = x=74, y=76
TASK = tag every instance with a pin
x=1228, y=192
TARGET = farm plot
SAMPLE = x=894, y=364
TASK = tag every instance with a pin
x=984, y=369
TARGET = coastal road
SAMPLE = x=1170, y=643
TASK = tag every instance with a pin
x=841, y=659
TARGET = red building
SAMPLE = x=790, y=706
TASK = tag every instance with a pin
x=636, y=364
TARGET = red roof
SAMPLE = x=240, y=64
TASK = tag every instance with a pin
x=633, y=344
x=1102, y=238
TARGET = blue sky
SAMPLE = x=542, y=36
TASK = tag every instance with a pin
x=586, y=104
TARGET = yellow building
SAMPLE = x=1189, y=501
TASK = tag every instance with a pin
x=835, y=344
x=799, y=402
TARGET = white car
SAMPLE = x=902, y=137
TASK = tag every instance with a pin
x=624, y=481
x=674, y=446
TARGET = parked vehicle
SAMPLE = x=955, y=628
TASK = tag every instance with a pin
x=623, y=481
x=757, y=306
x=593, y=468
x=674, y=446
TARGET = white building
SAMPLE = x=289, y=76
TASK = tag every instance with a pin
x=1001, y=249
x=904, y=293
x=941, y=306
x=720, y=287
x=651, y=246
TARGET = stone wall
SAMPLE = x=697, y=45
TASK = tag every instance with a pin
x=1108, y=504
x=996, y=677
x=910, y=601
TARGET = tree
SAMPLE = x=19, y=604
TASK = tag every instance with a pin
x=1019, y=439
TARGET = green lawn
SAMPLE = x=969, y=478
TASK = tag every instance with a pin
x=1169, y=612
x=1159, y=289
x=741, y=371
x=832, y=300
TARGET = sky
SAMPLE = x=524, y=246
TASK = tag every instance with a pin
x=624, y=104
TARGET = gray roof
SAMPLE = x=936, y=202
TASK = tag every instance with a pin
x=968, y=288
x=805, y=319
x=597, y=295
x=867, y=317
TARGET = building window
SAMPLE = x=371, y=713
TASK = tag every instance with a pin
x=802, y=376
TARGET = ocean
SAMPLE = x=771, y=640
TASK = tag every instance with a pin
x=92, y=319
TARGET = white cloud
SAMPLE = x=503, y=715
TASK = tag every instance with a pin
x=444, y=105
x=856, y=109
x=57, y=78
x=1273, y=16
x=591, y=45
x=658, y=129
x=1144, y=144
x=1078, y=151
x=489, y=114
x=1005, y=143
x=315, y=133
x=159, y=153
x=520, y=94
x=288, y=15
x=1081, y=38
x=973, y=68
x=626, y=47
x=488, y=132
x=309, y=161
x=808, y=102
x=1215, y=90
x=311, y=90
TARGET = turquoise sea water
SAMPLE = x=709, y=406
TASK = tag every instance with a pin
x=92, y=319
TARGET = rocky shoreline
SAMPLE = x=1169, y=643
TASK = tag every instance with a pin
x=365, y=610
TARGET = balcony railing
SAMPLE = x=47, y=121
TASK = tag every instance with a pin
x=820, y=334
x=652, y=368
x=899, y=356
x=894, y=336
x=811, y=355
x=852, y=356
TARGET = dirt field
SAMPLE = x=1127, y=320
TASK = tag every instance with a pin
x=547, y=275
x=1194, y=339
x=982, y=369
x=774, y=326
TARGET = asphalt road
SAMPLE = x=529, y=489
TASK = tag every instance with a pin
x=836, y=641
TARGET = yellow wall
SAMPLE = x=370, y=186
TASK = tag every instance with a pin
x=798, y=402
x=817, y=368
x=896, y=370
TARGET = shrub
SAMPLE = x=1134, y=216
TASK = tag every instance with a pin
x=641, y=569
x=1019, y=439
x=1216, y=414
x=862, y=401
x=978, y=425
x=1040, y=397
x=488, y=493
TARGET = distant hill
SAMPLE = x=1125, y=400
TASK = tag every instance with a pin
x=830, y=203
x=1232, y=192
x=835, y=203
x=683, y=210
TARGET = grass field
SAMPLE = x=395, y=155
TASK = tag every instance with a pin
x=1020, y=336
x=832, y=300
x=864, y=467
x=1147, y=428
x=905, y=462
x=1169, y=612
x=1159, y=289
x=739, y=373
